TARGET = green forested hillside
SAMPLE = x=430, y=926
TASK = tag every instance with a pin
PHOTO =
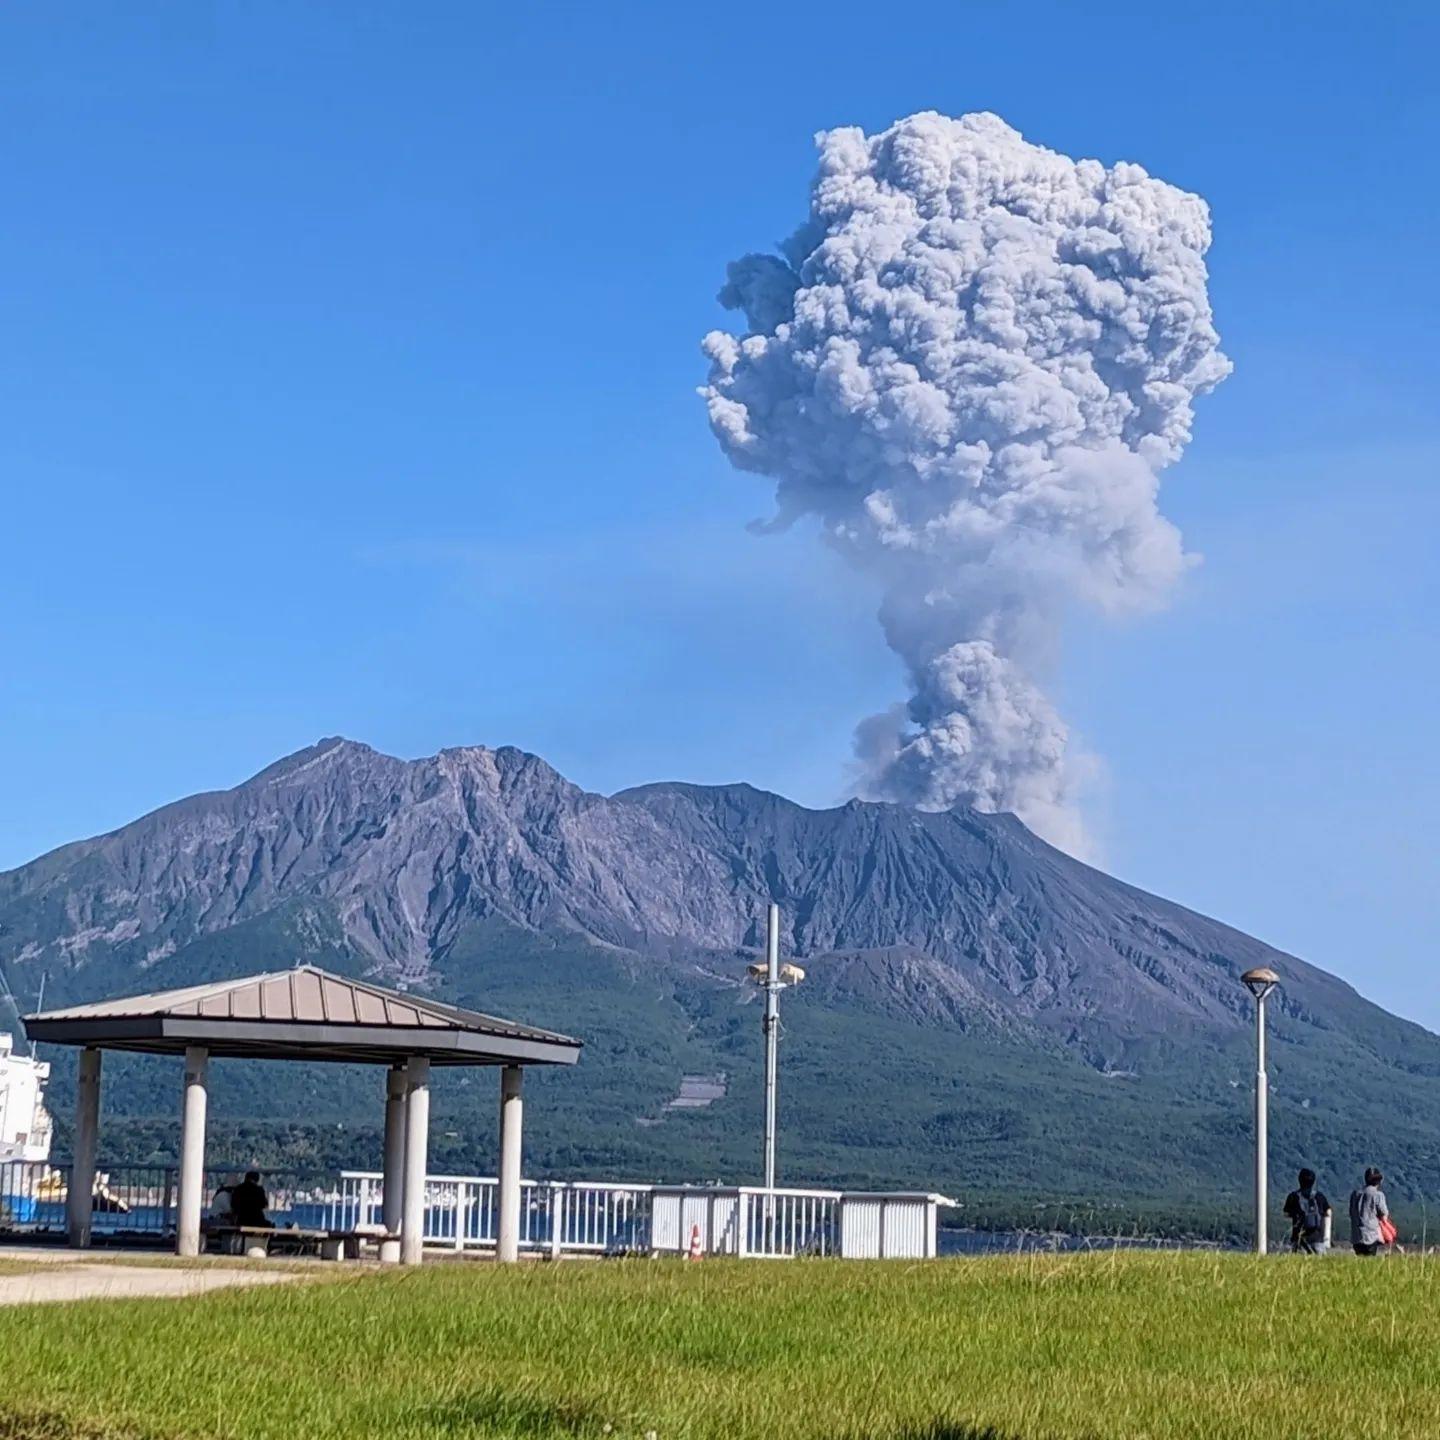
x=1012, y=1124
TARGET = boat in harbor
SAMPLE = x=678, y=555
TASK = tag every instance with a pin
x=26, y=1131
x=32, y=1191
x=25, y=1125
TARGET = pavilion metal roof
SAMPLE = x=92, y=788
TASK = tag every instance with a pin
x=302, y=1014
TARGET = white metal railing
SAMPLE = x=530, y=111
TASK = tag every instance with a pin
x=780, y=1224
x=746, y=1221
x=556, y=1217
x=462, y=1212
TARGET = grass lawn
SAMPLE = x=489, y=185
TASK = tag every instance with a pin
x=1064, y=1346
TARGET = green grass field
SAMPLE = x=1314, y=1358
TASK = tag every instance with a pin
x=995, y=1349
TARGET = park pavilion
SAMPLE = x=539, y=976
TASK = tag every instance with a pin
x=305, y=1014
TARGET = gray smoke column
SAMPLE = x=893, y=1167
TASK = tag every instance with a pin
x=970, y=364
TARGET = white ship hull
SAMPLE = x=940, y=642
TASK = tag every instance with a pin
x=25, y=1125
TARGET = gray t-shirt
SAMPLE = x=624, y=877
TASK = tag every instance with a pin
x=1366, y=1208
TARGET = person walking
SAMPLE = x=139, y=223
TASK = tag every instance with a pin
x=1308, y=1210
x=1368, y=1208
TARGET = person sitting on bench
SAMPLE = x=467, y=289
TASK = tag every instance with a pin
x=248, y=1203
x=220, y=1217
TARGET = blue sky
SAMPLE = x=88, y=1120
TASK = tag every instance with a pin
x=347, y=386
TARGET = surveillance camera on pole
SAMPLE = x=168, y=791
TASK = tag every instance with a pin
x=772, y=977
x=1260, y=983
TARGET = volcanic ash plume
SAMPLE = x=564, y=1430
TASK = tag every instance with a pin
x=970, y=364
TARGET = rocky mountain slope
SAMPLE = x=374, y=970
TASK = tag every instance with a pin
x=485, y=875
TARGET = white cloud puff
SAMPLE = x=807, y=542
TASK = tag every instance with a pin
x=970, y=363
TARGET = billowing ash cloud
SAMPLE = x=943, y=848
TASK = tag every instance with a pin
x=970, y=364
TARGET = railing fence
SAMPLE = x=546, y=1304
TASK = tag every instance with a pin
x=463, y=1212
x=556, y=1217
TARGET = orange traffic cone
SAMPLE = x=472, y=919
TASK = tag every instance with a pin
x=695, y=1251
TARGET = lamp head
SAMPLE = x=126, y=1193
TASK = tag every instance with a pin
x=1260, y=982
x=789, y=974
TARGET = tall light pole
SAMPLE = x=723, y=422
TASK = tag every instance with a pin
x=772, y=977
x=771, y=1025
x=1260, y=983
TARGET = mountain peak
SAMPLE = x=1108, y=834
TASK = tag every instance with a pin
x=408, y=855
x=331, y=748
x=628, y=916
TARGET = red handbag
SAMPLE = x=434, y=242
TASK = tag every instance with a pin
x=1388, y=1232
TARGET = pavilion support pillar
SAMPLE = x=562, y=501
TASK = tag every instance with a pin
x=192, y=1150
x=393, y=1181
x=80, y=1196
x=417, y=1137
x=511, y=1114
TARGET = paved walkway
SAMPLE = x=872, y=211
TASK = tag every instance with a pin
x=55, y=1278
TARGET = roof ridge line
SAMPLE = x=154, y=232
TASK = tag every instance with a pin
x=193, y=997
x=377, y=990
x=203, y=990
x=448, y=1011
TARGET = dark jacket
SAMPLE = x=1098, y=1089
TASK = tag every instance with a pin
x=248, y=1203
x=1303, y=1209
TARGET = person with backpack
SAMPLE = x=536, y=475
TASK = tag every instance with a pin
x=1370, y=1224
x=1308, y=1211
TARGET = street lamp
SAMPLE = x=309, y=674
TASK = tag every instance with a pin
x=772, y=977
x=1260, y=983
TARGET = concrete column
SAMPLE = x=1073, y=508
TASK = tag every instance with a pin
x=394, y=1178
x=511, y=1114
x=417, y=1138
x=79, y=1198
x=192, y=1151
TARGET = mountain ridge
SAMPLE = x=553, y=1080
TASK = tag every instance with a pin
x=543, y=870
x=932, y=928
